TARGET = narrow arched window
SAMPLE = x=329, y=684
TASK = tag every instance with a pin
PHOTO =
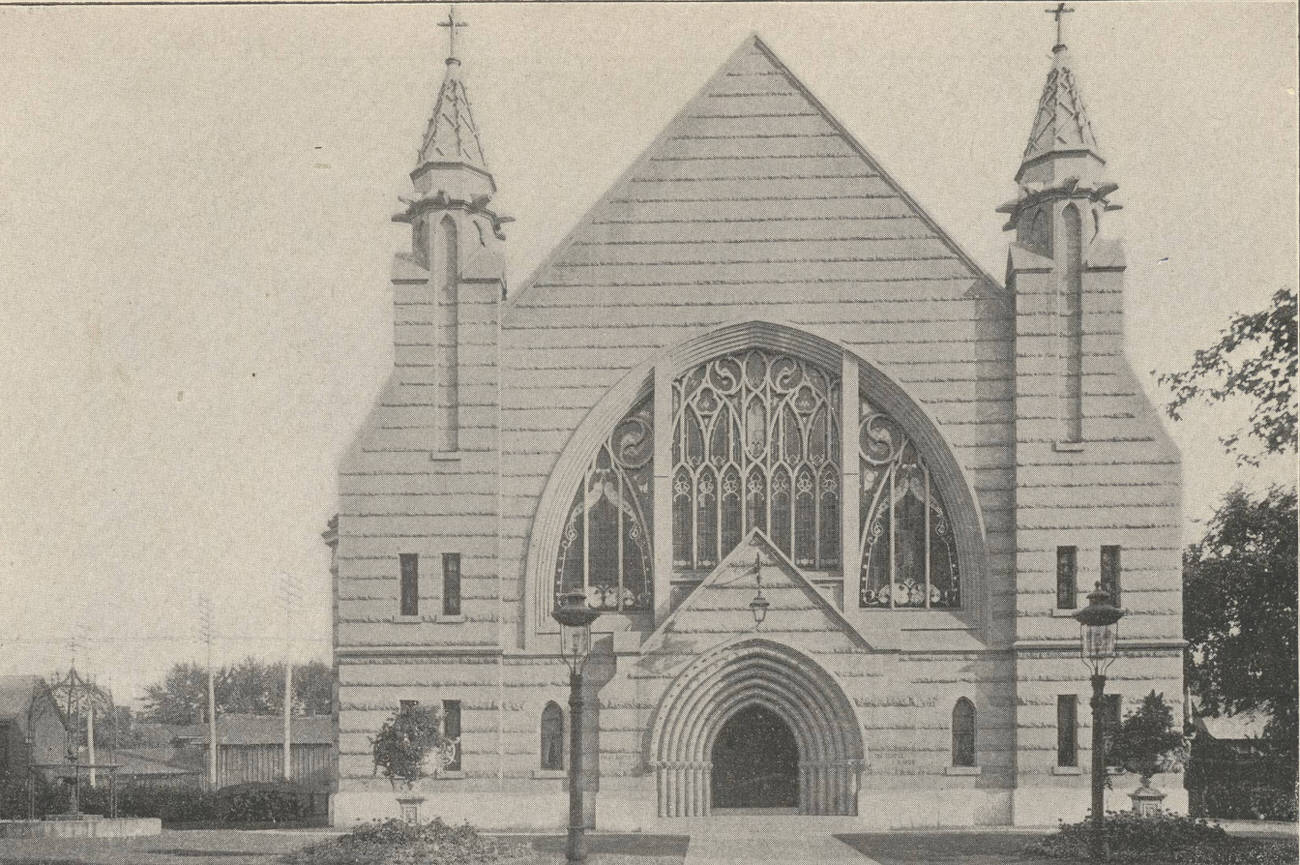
x=446, y=272
x=963, y=733
x=1071, y=329
x=606, y=549
x=552, y=752
x=909, y=551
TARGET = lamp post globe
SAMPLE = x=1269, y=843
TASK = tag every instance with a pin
x=1098, y=634
x=575, y=618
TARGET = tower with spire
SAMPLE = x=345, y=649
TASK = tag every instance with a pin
x=456, y=251
x=1095, y=473
x=1060, y=256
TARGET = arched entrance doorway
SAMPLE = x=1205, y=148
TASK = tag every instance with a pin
x=755, y=762
x=811, y=708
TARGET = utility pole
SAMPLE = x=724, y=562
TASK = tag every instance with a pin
x=205, y=632
x=289, y=585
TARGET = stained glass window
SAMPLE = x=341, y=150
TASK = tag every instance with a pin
x=756, y=445
x=606, y=548
x=909, y=554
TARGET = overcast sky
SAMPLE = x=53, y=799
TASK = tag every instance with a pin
x=195, y=239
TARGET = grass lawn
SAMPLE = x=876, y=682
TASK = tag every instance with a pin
x=612, y=849
x=975, y=848
x=934, y=848
x=236, y=847
x=172, y=847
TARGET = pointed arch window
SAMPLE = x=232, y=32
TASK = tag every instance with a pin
x=552, y=729
x=756, y=445
x=963, y=733
x=606, y=548
x=909, y=554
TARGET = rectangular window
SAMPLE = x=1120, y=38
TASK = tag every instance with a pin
x=451, y=584
x=451, y=729
x=1067, y=577
x=1110, y=721
x=410, y=605
x=1110, y=572
x=1067, y=716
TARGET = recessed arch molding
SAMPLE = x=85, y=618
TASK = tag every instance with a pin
x=705, y=695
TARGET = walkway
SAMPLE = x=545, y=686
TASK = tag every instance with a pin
x=745, y=840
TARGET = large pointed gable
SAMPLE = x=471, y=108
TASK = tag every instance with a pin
x=754, y=183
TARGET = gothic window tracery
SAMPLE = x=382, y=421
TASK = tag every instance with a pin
x=606, y=548
x=909, y=554
x=756, y=445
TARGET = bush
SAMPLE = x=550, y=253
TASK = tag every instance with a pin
x=1260, y=787
x=50, y=798
x=404, y=741
x=394, y=842
x=263, y=803
x=1164, y=837
x=1146, y=742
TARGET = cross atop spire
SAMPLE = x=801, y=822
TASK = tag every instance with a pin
x=451, y=24
x=1059, y=12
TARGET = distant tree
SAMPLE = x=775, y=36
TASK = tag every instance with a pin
x=1239, y=610
x=250, y=686
x=180, y=698
x=117, y=728
x=313, y=688
x=1255, y=358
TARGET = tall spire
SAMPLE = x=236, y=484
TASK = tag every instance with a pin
x=1061, y=129
x=452, y=136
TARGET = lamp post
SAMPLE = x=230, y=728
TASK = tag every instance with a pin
x=1098, y=628
x=575, y=620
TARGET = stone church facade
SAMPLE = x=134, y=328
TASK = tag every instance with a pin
x=756, y=365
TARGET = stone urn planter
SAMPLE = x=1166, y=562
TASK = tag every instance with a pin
x=1146, y=799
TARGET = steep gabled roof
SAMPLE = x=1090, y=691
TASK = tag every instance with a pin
x=754, y=173
x=16, y=694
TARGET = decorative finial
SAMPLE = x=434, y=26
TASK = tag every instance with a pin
x=1057, y=13
x=451, y=24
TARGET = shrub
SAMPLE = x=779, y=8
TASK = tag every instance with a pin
x=1164, y=837
x=50, y=798
x=263, y=803
x=395, y=842
x=1146, y=742
x=404, y=742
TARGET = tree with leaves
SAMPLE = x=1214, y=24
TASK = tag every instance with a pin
x=1239, y=610
x=250, y=686
x=1254, y=358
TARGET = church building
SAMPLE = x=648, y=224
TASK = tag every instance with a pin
x=756, y=366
